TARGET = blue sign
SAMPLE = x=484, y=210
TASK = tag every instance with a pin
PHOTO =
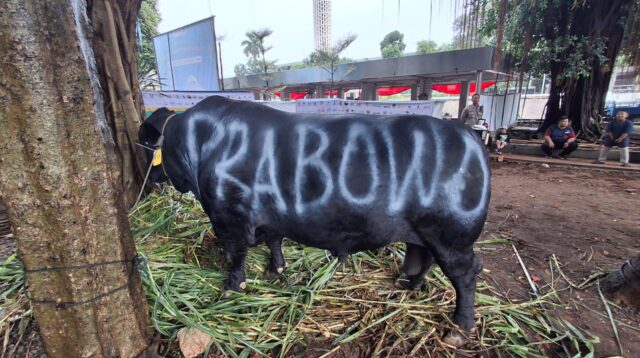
x=163, y=62
x=187, y=58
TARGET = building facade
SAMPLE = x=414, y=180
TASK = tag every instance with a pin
x=322, y=24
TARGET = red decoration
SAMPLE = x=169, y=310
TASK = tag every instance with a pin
x=390, y=91
x=455, y=88
x=294, y=95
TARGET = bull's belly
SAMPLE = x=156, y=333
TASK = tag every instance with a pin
x=350, y=236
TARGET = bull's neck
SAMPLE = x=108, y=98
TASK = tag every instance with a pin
x=180, y=160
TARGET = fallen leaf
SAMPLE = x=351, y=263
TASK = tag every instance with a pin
x=630, y=190
x=605, y=253
x=535, y=278
x=193, y=342
x=532, y=196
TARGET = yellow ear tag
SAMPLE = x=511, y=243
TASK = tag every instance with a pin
x=157, y=158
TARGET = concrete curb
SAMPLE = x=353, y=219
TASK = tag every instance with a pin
x=559, y=163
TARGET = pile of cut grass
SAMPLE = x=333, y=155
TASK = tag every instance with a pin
x=320, y=307
x=15, y=313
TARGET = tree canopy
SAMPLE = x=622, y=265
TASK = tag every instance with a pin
x=254, y=45
x=148, y=19
x=392, y=45
x=576, y=42
x=330, y=59
x=332, y=55
x=255, y=49
x=253, y=67
x=426, y=46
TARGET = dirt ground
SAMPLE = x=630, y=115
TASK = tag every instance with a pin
x=590, y=220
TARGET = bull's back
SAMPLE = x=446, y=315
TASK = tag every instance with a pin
x=351, y=172
x=385, y=169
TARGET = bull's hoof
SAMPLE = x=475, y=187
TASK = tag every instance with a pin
x=455, y=339
x=229, y=288
x=270, y=274
x=404, y=282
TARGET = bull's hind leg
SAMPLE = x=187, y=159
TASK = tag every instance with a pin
x=461, y=266
x=277, y=263
x=417, y=261
x=274, y=241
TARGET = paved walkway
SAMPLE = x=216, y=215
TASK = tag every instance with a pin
x=571, y=162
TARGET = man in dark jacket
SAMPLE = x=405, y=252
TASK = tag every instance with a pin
x=560, y=136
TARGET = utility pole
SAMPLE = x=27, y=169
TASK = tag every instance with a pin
x=220, y=61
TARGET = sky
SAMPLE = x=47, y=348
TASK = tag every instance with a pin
x=292, y=24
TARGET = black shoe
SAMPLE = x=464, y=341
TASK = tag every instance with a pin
x=563, y=157
x=597, y=162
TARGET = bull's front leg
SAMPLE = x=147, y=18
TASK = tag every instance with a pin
x=235, y=247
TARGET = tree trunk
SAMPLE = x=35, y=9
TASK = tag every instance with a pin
x=114, y=44
x=553, y=112
x=60, y=181
x=623, y=286
x=584, y=96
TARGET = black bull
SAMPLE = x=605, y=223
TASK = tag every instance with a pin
x=344, y=183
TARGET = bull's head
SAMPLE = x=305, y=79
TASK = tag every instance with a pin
x=148, y=136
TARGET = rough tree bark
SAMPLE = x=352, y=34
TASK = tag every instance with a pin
x=114, y=44
x=60, y=182
x=623, y=286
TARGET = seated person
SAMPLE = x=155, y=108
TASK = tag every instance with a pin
x=502, y=140
x=618, y=134
x=560, y=136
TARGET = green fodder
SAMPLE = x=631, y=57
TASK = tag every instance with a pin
x=15, y=313
x=319, y=306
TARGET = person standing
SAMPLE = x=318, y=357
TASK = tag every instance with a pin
x=560, y=136
x=472, y=113
x=618, y=134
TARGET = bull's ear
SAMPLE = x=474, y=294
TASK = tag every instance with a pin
x=157, y=118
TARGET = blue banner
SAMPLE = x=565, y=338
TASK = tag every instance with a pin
x=163, y=61
x=192, y=58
